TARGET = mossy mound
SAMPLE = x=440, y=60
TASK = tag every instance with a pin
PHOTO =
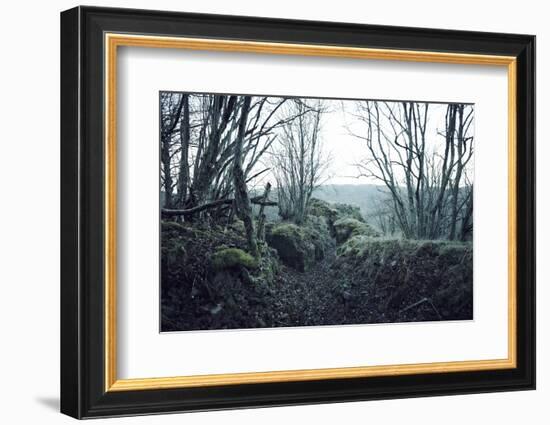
x=293, y=244
x=406, y=279
x=237, y=226
x=333, y=213
x=227, y=258
x=209, y=280
x=348, y=227
x=347, y=210
x=319, y=208
x=172, y=226
x=354, y=246
x=317, y=231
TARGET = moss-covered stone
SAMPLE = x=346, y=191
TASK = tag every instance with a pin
x=332, y=213
x=319, y=208
x=238, y=226
x=198, y=294
x=288, y=230
x=293, y=244
x=348, y=227
x=317, y=231
x=347, y=210
x=227, y=258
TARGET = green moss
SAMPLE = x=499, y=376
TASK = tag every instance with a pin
x=363, y=246
x=351, y=211
x=317, y=231
x=167, y=226
x=238, y=226
x=319, y=208
x=346, y=228
x=172, y=228
x=354, y=246
x=227, y=258
x=288, y=230
x=398, y=271
x=452, y=248
x=294, y=245
x=268, y=266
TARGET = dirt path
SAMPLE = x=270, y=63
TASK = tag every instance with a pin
x=315, y=297
x=323, y=295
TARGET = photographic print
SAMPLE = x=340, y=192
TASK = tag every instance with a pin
x=292, y=211
x=318, y=194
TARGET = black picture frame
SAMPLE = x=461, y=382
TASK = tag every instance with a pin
x=83, y=392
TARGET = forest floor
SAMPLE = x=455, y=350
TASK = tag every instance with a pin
x=309, y=276
x=302, y=298
x=323, y=295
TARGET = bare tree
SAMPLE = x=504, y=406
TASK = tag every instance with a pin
x=171, y=107
x=185, y=136
x=299, y=161
x=426, y=180
x=199, y=136
x=221, y=117
x=383, y=216
x=462, y=197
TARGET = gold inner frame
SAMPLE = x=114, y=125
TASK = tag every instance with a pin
x=113, y=41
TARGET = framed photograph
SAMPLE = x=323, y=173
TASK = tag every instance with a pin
x=261, y=212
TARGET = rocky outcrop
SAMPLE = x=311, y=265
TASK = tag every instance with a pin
x=294, y=246
x=347, y=227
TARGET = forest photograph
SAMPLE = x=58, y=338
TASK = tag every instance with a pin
x=293, y=211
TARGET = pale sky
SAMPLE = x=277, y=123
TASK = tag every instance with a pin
x=345, y=150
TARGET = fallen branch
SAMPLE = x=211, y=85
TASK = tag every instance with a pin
x=265, y=203
x=258, y=200
x=423, y=300
x=194, y=210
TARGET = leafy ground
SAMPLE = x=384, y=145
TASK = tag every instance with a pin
x=332, y=270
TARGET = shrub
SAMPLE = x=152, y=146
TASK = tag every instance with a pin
x=397, y=274
x=332, y=213
x=172, y=226
x=345, y=228
x=347, y=210
x=227, y=258
x=210, y=281
x=318, y=208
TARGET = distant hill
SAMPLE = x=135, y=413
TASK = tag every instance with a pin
x=364, y=196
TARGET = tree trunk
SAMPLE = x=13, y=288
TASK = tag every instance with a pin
x=242, y=202
x=466, y=225
x=183, y=177
x=458, y=176
x=165, y=158
x=221, y=112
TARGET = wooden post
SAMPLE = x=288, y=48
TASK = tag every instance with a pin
x=261, y=215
